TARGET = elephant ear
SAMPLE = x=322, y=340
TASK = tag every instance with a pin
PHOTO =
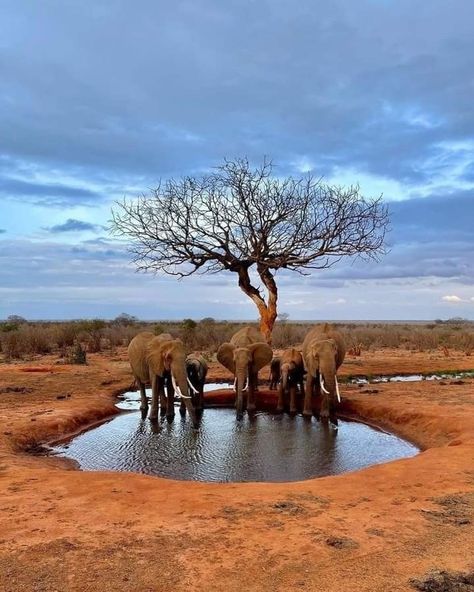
x=262, y=355
x=225, y=355
x=155, y=357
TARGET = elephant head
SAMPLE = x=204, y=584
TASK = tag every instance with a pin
x=196, y=371
x=321, y=362
x=244, y=363
x=167, y=357
x=286, y=371
x=196, y=368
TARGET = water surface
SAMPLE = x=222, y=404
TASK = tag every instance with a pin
x=266, y=447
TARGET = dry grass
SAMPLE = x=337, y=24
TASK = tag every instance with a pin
x=28, y=340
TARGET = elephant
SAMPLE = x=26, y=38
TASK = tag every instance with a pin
x=274, y=377
x=323, y=353
x=160, y=361
x=245, y=354
x=291, y=378
x=196, y=367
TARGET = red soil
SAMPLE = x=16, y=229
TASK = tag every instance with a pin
x=66, y=530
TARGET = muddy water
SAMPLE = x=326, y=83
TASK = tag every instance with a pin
x=266, y=448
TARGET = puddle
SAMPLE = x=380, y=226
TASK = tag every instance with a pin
x=411, y=378
x=267, y=447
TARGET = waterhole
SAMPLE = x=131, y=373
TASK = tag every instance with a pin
x=267, y=447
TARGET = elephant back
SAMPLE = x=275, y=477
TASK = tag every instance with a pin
x=137, y=355
x=247, y=336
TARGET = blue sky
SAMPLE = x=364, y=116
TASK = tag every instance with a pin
x=101, y=102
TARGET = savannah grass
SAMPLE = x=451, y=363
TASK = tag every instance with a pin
x=28, y=340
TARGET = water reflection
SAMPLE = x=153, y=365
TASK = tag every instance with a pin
x=264, y=447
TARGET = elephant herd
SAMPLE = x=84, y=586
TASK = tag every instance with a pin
x=298, y=373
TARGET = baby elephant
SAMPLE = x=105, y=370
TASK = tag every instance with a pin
x=291, y=379
x=196, y=367
x=274, y=373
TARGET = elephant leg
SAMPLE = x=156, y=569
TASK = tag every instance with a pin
x=308, y=396
x=163, y=400
x=156, y=387
x=170, y=399
x=143, y=399
x=293, y=407
x=281, y=399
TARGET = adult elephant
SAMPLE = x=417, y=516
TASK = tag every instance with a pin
x=323, y=352
x=245, y=354
x=196, y=368
x=291, y=379
x=160, y=361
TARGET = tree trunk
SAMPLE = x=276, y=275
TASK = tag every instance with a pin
x=266, y=310
x=267, y=321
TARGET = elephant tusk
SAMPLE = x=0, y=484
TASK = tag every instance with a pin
x=337, y=391
x=246, y=385
x=235, y=384
x=177, y=389
x=192, y=387
x=323, y=388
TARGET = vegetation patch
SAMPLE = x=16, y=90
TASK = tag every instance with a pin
x=444, y=581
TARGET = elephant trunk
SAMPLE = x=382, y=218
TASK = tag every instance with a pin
x=179, y=374
x=241, y=376
x=329, y=390
x=284, y=377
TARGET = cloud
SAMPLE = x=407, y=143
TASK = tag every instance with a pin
x=2, y=231
x=72, y=225
x=373, y=95
x=42, y=192
x=238, y=85
x=453, y=298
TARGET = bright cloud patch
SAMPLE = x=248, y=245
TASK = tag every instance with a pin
x=452, y=298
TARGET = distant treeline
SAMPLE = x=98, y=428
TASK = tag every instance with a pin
x=22, y=339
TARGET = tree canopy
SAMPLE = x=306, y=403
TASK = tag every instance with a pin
x=238, y=217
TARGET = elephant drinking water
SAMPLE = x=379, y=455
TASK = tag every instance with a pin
x=245, y=354
x=323, y=352
x=161, y=362
x=291, y=379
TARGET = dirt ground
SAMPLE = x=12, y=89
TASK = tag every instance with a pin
x=65, y=530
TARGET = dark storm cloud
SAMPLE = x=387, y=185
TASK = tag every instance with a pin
x=46, y=193
x=100, y=103
x=72, y=225
x=444, y=218
x=176, y=87
x=430, y=237
x=26, y=264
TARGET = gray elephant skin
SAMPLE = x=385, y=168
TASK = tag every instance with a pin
x=161, y=362
x=196, y=368
x=323, y=353
x=245, y=354
x=291, y=380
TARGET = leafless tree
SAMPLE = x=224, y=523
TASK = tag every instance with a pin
x=238, y=217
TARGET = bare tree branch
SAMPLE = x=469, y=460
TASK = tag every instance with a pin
x=237, y=217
